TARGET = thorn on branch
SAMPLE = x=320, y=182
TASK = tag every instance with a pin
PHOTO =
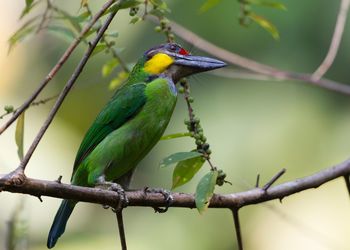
x=257, y=181
x=274, y=179
x=39, y=197
x=237, y=227
x=59, y=179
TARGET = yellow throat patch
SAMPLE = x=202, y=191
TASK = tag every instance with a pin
x=158, y=63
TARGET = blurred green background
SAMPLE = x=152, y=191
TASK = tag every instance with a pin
x=252, y=126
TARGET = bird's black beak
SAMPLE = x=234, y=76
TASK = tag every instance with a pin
x=186, y=65
x=198, y=63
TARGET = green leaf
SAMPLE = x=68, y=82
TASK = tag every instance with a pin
x=117, y=82
x=83, y=17
x=62, y=31
x=29, y=3
x=135, y=19
x=274, y=5
x=114, y=34
x=29, y=6
x=185, y=170
x=123, y=5
x=19, y=135
x=208, y=5
x=24, y=31
x=109, y=66
x=266, y=24
x=180, y=156
x=205, y=190
x=74, y=21
x=98, y=49
x=173, y=136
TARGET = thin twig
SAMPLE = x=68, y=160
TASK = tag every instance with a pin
x=336, y=39
x=237, y=228
x=66, y=90
x=273, y=179
x=137, y=198
x=115, y=54
x=37, y=103
x=120, y=222
x=252, y=65
x=44, y=16
x=57, y=67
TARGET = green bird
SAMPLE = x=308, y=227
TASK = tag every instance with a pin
x=131, y=123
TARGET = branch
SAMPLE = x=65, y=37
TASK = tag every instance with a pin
x=252, y=65
x=62, y=96
x=140, y=198
x=57, y=67
x=237, y=228
x=337, y=36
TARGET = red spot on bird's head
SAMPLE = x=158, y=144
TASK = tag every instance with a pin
x=183, y=52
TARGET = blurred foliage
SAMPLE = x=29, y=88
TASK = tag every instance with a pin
x=17, y=231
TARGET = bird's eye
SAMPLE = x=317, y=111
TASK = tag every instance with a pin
x=173, y=47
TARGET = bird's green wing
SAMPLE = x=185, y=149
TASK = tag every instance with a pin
x=125, y=104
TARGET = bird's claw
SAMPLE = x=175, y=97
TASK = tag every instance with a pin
x=123, y=199
x=168, y=198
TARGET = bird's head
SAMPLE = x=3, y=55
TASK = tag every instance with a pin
x=172, y=60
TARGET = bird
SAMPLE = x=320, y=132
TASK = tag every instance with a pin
x=131, y=123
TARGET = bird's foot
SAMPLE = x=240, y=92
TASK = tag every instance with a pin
x=123, y=199
x=167, y=197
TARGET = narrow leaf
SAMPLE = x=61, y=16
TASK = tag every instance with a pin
x=205, y=190
x=109, y=66
x=24, y=31
x=185, y=170
x=274, y=5
x=180, y=156
x=114, y=34
x=99, y=48
x=135, y=19
x=19, y=135
x=74, y=21
x=123, y=5
x=62, y=31
x=266, y=24
x=29, y=6
x=173, y=136
x=83, y=17
x=208, y=5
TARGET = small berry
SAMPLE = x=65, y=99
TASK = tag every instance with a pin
x=190, y=99
x=181, y=90
x=158, y=29
x=171, y=36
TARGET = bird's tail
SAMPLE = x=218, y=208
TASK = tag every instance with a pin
x=60, y=221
